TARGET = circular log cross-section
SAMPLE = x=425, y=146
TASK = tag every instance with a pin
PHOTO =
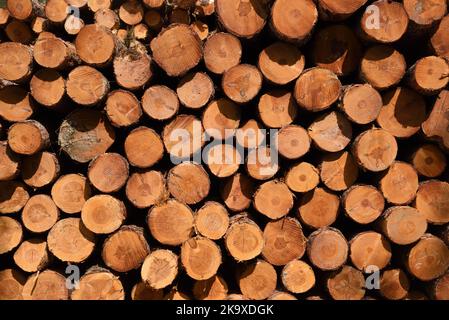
x=15, y=61
x=11, y=284
x=28, y=137
x=143, y=147
x=200, y=257
x=277, y=108
x=40, y=213
x=46, y=285
x=70, y=192
x=346, y=284
x=132, y=69
x=212, y=220
x=221, y=119
x=400, y=176
x=382, y=66
x=318, y=208
x=257, y=281
x=47, y=87
x=87, y=86
x=10, y=235
x=182, y=177
x=103, y=214
x=222, y=51
x=338, y=171
x=195, y=90
x=403, y=225
x=302, y=177
x=394, y=284
x=122, y=108
x=273, y=199
x=146, y=188
x=428, y=259
x=317, y=89
x=429, y=161
x=14, y=196
x=9, y=162
x=327, y=249
x=281, y=63
x=177, y=49
x=160, y=102
x=431, y=200
x=40, y=169
x=284, y=241
x=15, y=104
x=159, y=269
x=370, y=249
x=108, y=172
x=375, y=149
x=32, y=255
x=361, y=103
x=98, y=284
x=244, y=239
x=242, y=83
x=242, y=18
x=70, y=241
x=293, y=20
x=183, y=136
x=393, y=23
x=171, y=223
x=95, y=45
x=363, y=203
x=126, y=249
x=298, y=277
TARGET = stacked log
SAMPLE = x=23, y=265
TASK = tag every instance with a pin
x=227, y=149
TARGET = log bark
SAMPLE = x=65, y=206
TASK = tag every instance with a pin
x=85, y=134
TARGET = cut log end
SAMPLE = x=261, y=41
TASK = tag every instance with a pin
x=327, y=249
x=160, y=269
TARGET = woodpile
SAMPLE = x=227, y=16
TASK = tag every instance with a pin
x=224, y=149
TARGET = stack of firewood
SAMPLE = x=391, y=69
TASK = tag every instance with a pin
x=227, y=149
